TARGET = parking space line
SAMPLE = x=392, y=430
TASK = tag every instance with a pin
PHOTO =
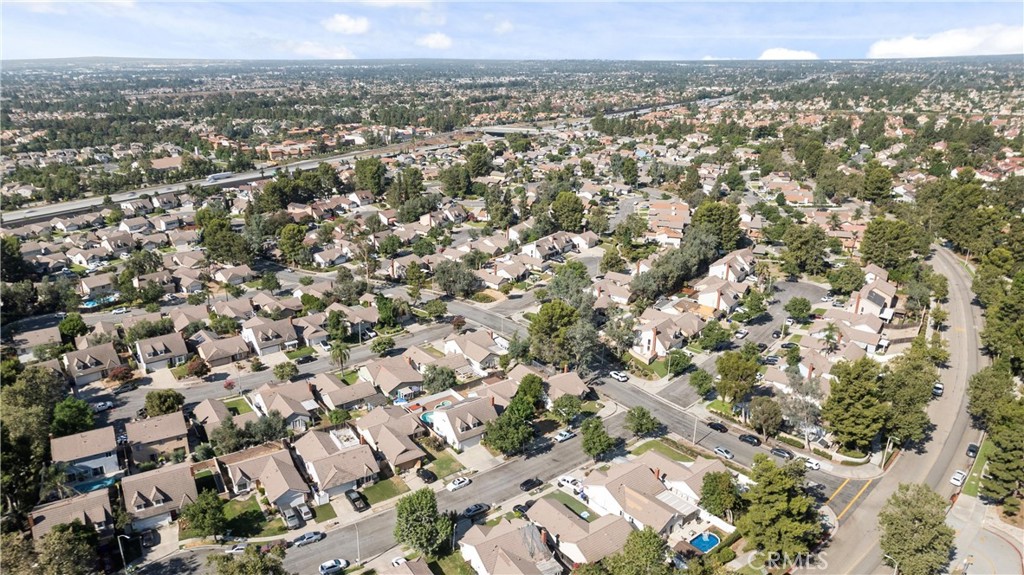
x=838, y=489
x=854, y=500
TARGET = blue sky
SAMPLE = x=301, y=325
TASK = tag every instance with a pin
x=509, y=30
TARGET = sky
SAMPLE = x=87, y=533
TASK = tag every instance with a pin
x=523, y=29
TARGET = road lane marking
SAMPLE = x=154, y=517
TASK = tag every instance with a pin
x=854, y=500
x=838, y=489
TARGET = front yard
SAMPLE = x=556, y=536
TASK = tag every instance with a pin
x=237, y=406
x=576, y=505
x=245, y=519
x=452, y=564
x=300, y=352
x=974, y=479
x=660, y=447
x=324, y=513
x=444, y=464
x=384, y=490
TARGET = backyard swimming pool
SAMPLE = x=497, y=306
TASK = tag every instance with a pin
x=89, y=486
x=427, y=417
x=705, y=541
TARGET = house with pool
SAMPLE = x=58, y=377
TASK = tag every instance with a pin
x=90, y=458
x=462, y=425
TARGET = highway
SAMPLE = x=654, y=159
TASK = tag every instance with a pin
x=855, y=548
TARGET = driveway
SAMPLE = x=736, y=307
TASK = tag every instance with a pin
x=478, y=459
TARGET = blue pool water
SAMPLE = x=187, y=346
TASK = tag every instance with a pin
x=427, y=417
x=705, y=542
x=96, y=484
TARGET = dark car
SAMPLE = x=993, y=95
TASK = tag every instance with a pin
x=356, y=500
x=750, y=439
x=972, y=450
x=788, y=345
x=426, y=475
x=762, y=346
x=305, y=359
x=125, y=388
x=530, y=484
x=783, y=453
x=141, y=414
x=476, y=509
x=522, y=508
x=776, y=334
x=718, y=426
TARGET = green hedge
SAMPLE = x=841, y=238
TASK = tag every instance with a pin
x=791, y=442
x=822, y=453
x=725, y=555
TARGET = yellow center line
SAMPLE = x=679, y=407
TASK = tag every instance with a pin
x=838, y=489
x=855, y=497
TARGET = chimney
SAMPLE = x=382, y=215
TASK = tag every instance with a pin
x=810, y=370
x=638, y=267
x=654, y=340
x=657, y=473
x=718, y=301
x=492, y=401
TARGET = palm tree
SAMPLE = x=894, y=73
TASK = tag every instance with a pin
x=339, y=355
x=830, y=337
x=55, y=480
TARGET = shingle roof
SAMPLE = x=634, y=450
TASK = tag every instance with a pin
x=156, y=429
x=171, y=483
x=83, y=445
x=90, y=508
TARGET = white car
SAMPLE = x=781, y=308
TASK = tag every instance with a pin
x=102, y=406
x=811, y=464
x=564, y=435
x=567, y=480
x=237, y=549
x=458, y=484
x=790, y=321
x=325, y=345
x=398, y=561
x=724, y=452
x=742, y=334
x=120, y=311
x=618, y=376
x=958, y=478
x=826, y=297
x=333, y=567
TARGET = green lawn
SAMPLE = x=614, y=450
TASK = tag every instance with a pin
x=974, y=479
x=80, y=270
x=452, y=564
x=591, y=407
x=246, y=520
x=351, y=376
x=660, y=367
x=179, y=372
x=657, y=445
x=819, y=311
x=796, y=338
x=720, y=406
x=300, y=352
x=384, y=490
x=572, y=503
x=324, y=513
x=445, y=464
x=237, y=406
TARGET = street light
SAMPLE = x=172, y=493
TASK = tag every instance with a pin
x=124, y=564
x=896, y=569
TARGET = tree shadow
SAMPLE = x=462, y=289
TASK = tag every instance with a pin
x=178, y=564
x=921, y=446
x=246, y=523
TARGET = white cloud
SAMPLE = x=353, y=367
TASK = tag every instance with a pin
x=977, y=41
x=504, y=27
x=345, y=24
x=314, y=50
x=435, y=41
x=43, y=7
x=715, y=58
x=787, y=54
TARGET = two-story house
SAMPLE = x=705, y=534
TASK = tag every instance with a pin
x=92, y=363
x=161, y=351
x=462, y=425
x=157, y=437
x=155, y=497
x=268, y=336
x=93, y=509
x=88, y=455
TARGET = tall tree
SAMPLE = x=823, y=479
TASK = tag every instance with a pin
x=724, y=219
x=70, y=416
x=292, y=246
x=640, y=422
x=13, y=267
x=781, y=518
x=72, y=326
x=798, y=308
x=567, y=211
x=643, y=554
x=205, y=515
x=1005, y=471
x=766, y=415
x=596, y=440
x=853, y=410
x=437, y=379
x=987, y=391
x=455, y=279
x=914, y=530
x=891, y=243
x=719, y=493
x=251, y=562
x=163, y=401
x=549, y=330
x=68, y=549
x=805, y=250
x=370, y=175
x=419, y=525
x=739, y=373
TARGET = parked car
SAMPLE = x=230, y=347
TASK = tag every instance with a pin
x=750, y=439
x=530, y=484
x=568, y=480
x=564, y=435
x=236, y=549
x=811, y=464
x=783, y=453
x=938, y=389
x=458, y=484
x=522, y=508
x=718, y=426
x=141, y=413
x=771, y=360
x=304, y=511
x=126, y=387
x=333, y=567
x=972, y=450
x=788, y=345
x=761, y=346
x=958, y=478
x=120, y=311
x=305, y=359
x=398, y=561
x=325, y=345
x=307, y=538
x=426, y=475
x=369, y=333
x=724, y=452
x=776, y=334
x=102, y=406
x=740, y=334
x=790, y=321
x=291, y=518
x=150, y=538
x=476, y=509
x=356, y=500
x=618, y=376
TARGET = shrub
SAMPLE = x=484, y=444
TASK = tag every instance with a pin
x=791, y=442
x=725, y=554
x=822, y=453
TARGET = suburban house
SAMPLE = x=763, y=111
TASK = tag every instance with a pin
x=512, y=547
x=268, y=466
x=877, y=298
x=719, y=296
x=462, y=425
x=415, y=567
x=734, y=266
x=634, y=492
x=93, y=509
x=157, y=437
x=568, y=383
x=219, y=351
x=329, y=257
x=685, y=481
x=27, y=342
x=393, y=376
x=211, y=413
x=389, y=430
x=154, y=497
x=240, y=309
x=161, y=351
x=293, y=400
x=478, y=347
x=335, y=394
x=235, y=275
x=162, y=278
x=333, y=466
x=268, y=336
x=575, y=538
x=659, y=332
x=86, y=455
x=92, y=363
x=98, y=286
